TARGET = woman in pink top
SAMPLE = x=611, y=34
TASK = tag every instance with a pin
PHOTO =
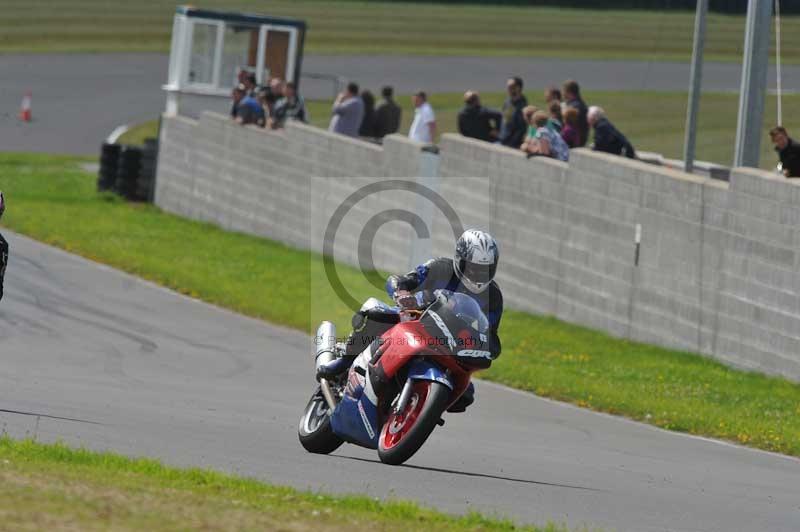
x=570, y=130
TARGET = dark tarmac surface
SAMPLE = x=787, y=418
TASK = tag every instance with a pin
x=98, y=358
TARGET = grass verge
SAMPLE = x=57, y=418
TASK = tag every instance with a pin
x=428, y=28
x=53, y=487
x=139, y=132
x=653, y=121
x=51, y=199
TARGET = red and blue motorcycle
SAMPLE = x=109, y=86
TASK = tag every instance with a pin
x=398, y=388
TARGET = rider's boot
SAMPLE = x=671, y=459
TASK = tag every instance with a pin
x=337, y=366
x=369, y=323
x=466, y=399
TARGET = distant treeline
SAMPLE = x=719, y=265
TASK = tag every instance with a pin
x=720, y=6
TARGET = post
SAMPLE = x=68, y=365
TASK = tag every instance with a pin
x=695, y=83
x=754, y=83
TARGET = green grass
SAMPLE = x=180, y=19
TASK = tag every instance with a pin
x=53, y=487
x=51, y=199
x=393, y=28
x=139, y=132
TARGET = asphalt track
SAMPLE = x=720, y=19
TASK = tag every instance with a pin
x=98, y=358
x=78, y=99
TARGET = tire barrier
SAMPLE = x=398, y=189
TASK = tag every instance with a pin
x=145, y=185
x=130, y=162
x=109, y=158
x=129, y=171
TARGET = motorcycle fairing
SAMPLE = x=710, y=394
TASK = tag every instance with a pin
x=424, y=370
x=356, y=416
x=398, y=349
x=354, y=420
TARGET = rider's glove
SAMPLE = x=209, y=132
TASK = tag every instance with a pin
x=406, y=300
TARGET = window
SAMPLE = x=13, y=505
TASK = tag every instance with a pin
x=239, y=49
x=204, y=52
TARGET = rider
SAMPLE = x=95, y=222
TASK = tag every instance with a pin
x=3, y=248
x=471, y=271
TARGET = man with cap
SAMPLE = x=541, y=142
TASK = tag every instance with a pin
x=3, y=248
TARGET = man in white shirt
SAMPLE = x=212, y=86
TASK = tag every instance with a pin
x=423, y=128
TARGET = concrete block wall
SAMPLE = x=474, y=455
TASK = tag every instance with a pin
x=758, y=283
x=261, y=182
x=717, y=269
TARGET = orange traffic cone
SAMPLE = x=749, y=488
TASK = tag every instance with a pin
x=25, y=108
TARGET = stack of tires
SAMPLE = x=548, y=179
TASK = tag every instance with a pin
x=109, y=160
x=130, y=171
x=130, y=162
x=145, y=186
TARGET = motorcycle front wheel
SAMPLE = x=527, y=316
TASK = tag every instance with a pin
x=404, y=433
x=315, y=432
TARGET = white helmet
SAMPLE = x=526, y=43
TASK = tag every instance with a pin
x=475, y=261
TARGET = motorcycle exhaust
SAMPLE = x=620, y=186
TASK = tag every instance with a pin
x=325, y=354
x=326, y=344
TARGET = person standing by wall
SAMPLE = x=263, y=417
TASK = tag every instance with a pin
x=251, y=111
x=387, y=114
x=423, y=128
x=545, y=141
x=476, y=121
x=570, y=130
x=290, y=107
x=555, y=122
x=572, y=94
x=788, y=151
x=348, y=111
x=514, y=127
x=3, y=248
x=367, y=128
x=608, y=138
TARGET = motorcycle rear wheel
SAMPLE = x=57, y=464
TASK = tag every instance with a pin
x=315, y=432
x=404, y=433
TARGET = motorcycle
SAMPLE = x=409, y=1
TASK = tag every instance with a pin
x=398, y=387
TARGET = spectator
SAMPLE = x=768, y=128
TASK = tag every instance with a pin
x=249, y=111
x=237, y=94
x=387, y=114
x=423, y=128
x=552, y=94
x=527, y=115
x=250, y=84
x=262, y=101
x=570, y=130
x=476, y=121
x=788, y=151
x=514, y=127
x=554, y=122
x=274, y=92
x=367, y=128
x=572, y=93
x=607, y=138
x=290, y=107
x=545, y=141
x=348, y=111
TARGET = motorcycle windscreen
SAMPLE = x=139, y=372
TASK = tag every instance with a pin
x=456, y=322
